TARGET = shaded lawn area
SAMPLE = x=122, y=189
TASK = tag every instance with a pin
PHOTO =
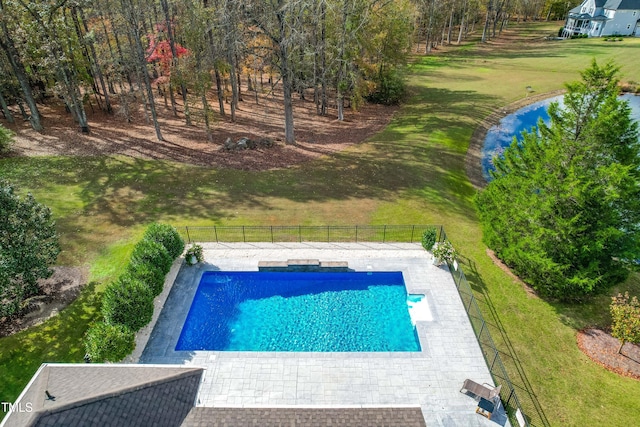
x=412, y=172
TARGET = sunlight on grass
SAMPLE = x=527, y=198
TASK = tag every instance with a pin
x=410, y=173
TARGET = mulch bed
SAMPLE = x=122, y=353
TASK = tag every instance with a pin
x=112, y=135
x=58, y=291
x=602, y=348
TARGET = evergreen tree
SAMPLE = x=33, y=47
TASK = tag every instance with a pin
x=28, y=246
x=563, y=208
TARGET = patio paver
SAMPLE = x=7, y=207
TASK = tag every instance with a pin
x=430, y=378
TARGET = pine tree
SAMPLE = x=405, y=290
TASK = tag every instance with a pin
x=563, y=208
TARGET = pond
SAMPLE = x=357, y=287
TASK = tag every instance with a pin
x=500, y=136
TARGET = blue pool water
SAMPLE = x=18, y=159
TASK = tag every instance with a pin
x=499, y=137
x=319, y=312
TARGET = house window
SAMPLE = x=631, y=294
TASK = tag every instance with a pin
x=629, y=27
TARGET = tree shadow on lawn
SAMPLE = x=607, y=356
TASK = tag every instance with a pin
x=508, y=355
x=126, y=191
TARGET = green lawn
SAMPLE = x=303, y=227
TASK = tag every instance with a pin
x=412, y=172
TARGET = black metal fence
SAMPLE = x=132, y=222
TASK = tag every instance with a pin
x=307, y=233
x=522, y=411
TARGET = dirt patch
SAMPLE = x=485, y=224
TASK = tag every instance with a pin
x=473, y=159
x=58, y=291
x=602, y=348
x=113, y=135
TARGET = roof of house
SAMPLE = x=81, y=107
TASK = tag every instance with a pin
x=109, y=394
x=151, y=395
x=622, y=4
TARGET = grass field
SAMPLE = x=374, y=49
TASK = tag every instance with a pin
x=411, y=173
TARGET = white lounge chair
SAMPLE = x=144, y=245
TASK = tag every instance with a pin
x=485, y=391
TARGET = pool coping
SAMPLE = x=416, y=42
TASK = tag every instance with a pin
x=336, y=379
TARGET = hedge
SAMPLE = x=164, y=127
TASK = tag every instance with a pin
x=167, y=236
x=147, y=274
x=152, y=253
x=108, y=343
x=128, y=301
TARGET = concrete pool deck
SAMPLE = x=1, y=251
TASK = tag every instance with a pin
x=430, y=379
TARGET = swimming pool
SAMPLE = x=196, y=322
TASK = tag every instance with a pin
x=311, y=312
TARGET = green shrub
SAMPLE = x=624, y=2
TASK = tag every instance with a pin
x=153, y=253
x=6, y=139
x=429, y=238
x=390, y=88
x=149, y=275
x=167, y=236
x=128, y=301
x=108, y=343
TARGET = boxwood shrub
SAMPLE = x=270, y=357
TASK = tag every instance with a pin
x=429, y=238
x=128, y=301
x=152, y=253
x=167, y=236
x=108, y=343
x=149, y=275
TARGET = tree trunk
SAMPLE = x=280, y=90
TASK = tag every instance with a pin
x=234, y=88
x=427, y=48
x=5, y=109
x=450, y=27
x=486, y=25
x=287, y=83
x=130, y=12
x=220, y=91
x=289, y=136
x=463, y=21
x=205, y=107
x=323, y=60
x=94, y=57
x=6, y=43
x=174, y=54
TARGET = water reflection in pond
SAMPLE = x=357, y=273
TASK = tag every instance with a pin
x=499, y=137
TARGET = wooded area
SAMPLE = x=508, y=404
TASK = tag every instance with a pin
x=124, y=55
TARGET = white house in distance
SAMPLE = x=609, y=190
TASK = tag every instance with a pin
x=597, y=18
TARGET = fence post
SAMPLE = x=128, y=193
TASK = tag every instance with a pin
x=384, y=234
x=244, y=239
x=188, y=237
x=356, y=234
x=328, y=240
x=272, y=234
x=299, y=234
x=510, y=396
x=413, y=228
x=494, y=360
x=215, y=230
